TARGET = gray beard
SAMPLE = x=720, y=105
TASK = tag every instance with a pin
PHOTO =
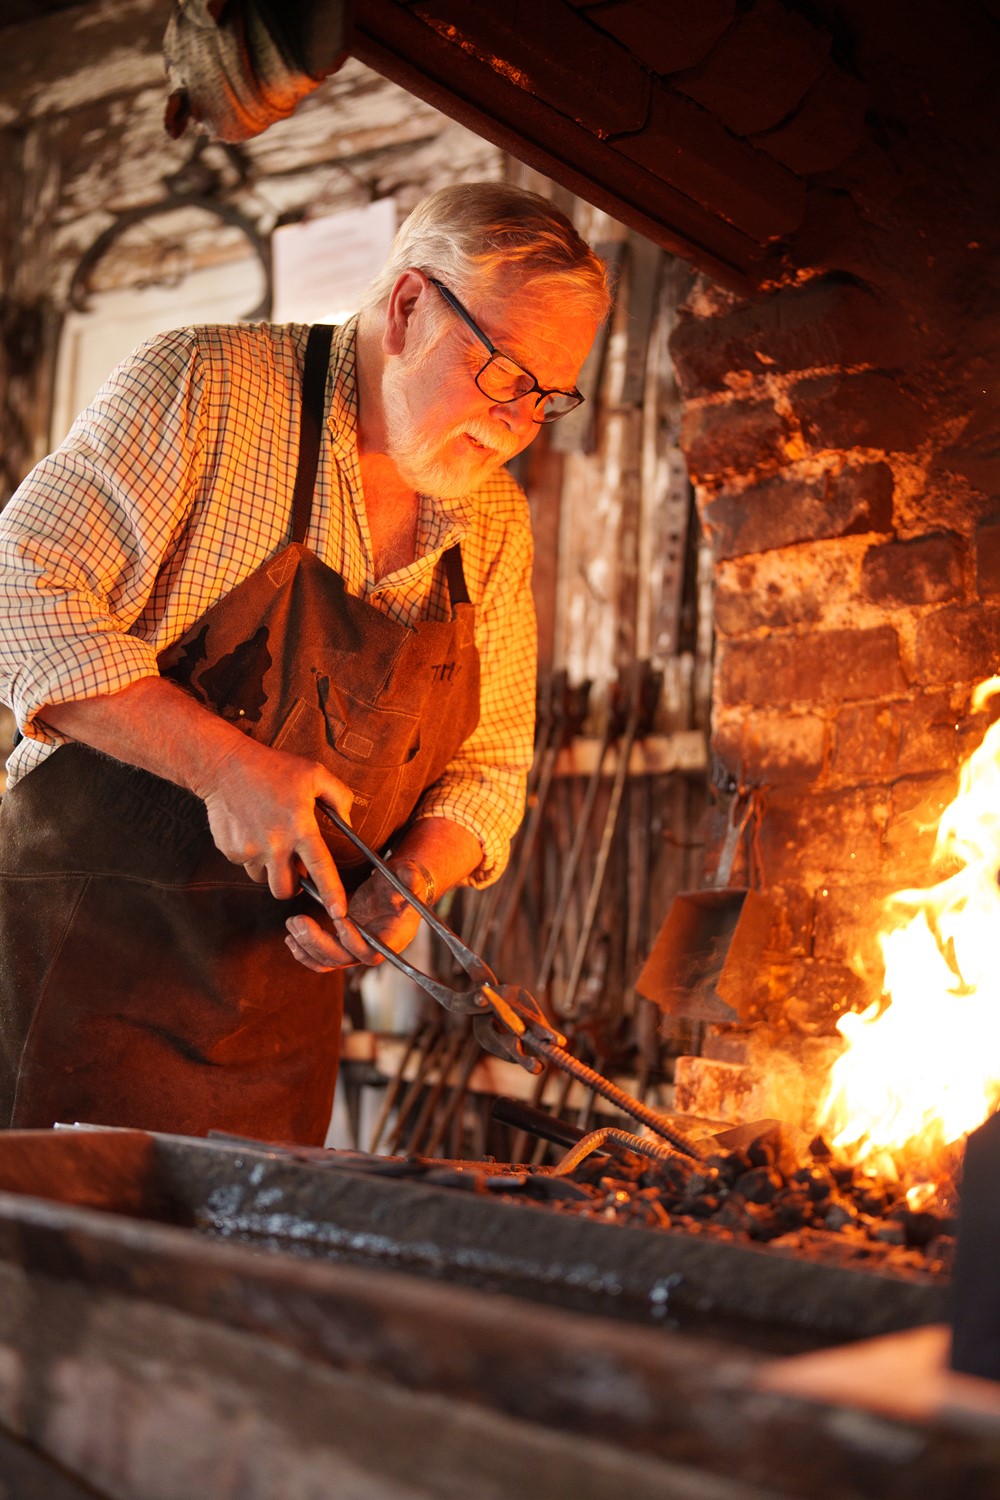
x=421, y=462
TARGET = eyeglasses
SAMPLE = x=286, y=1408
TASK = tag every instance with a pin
x=502, y=380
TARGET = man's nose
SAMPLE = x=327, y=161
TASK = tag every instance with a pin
x=517, y=415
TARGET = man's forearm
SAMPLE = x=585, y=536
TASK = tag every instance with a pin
x=152, y=724
x=446, y=850
x=155, y=725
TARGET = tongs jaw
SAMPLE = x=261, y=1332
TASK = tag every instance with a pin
x=504, y=1013
x=513, y=1014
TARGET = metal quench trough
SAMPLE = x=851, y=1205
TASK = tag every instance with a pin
x=182, y=1316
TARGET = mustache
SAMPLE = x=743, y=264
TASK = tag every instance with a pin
x=501, y=442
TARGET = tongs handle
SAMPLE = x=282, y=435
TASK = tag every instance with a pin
x=476, y=968
x=504, y=1013
x=451, y=999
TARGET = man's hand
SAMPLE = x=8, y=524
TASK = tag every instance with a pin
x=377, y=907
x=261, y=802
x=262, y=813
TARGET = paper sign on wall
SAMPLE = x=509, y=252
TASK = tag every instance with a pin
x=322, y=266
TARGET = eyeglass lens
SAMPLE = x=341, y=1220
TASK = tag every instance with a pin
x=502, y=380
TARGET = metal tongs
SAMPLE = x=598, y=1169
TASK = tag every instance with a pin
x=507, y=1019
x=506, y=1016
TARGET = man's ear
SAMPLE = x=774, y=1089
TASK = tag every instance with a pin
x=406, y=292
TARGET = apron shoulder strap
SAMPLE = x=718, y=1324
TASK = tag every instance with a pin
x=317, y=362
x=455, y=574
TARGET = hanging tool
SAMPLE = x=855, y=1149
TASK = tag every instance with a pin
x=507, y=1020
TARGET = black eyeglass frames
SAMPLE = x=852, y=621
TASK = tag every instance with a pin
x=502, y=380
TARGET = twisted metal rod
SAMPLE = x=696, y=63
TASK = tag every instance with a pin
x=614, y=1095
x=640, y=1144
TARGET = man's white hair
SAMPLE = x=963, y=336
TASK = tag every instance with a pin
x=477, y=236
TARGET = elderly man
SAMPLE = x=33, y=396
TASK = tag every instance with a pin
x=272, y=568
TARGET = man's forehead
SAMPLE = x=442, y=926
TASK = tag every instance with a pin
x=534, y=321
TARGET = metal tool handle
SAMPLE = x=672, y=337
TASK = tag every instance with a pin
x=465, y=1001
x=479, y=971
x=522, y=1116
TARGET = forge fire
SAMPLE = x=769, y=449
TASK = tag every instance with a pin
x=920, y=1067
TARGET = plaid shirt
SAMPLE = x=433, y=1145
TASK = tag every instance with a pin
x=176, y=483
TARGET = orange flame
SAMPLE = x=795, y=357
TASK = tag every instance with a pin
x=921, y=1067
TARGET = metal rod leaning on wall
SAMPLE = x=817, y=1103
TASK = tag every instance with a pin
x=550, y=706
x=612, y=728
x=446, y=1055
x=643, y=692
x=427, y=1042
x=425, y=1051
x=459, y=1092
x=417, y=1041
x=567, y=715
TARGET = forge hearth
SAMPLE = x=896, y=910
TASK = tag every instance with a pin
x=407, y=1215
x=254, y=1320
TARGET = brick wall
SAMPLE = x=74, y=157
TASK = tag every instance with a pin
x=840, y=431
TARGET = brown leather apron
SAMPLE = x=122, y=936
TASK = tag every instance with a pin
x=144, y=979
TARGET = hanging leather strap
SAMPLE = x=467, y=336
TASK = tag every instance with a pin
x=317, y=362
x=455, y=574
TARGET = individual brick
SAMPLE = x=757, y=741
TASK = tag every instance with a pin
x=936, y=730
x=958, y=644
x=737, y=437
x=685, y=146
x=916, y=805
x=805, y=839
x=865, y=743
x=749, y=595
x=781, y=748
x=794, y=915
x=787, y=509
x=866, y=410
x=827, y=667
x=713, y=1090
x=836, y=237
x=725, y=1042
x=831, y=321
x=664, y=37
x=761, y=69
x=920, y=570
x=988, y=557
x=827, y=126
x=809, y=998
x=975, y=454
x=849, y=918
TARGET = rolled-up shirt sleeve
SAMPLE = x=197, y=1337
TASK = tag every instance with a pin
x=483, y=787
x=83, y=538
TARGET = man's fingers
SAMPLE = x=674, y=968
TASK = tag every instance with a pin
x=353, y=941
x=334, y=794
x=305, y=958
x=320, y=950
x=318, y=864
